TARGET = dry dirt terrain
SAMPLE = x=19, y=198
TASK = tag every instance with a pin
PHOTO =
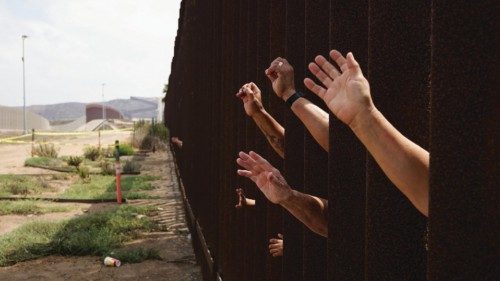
x=178, y=260
x=13, y=155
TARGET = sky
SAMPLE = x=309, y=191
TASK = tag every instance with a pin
x=74, y=46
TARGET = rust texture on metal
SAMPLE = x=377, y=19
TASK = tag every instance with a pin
x=431, y=74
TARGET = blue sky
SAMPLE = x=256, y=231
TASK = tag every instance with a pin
x=76, y=45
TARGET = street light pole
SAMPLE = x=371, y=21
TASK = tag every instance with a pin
x=24, y=89
x=103, y=105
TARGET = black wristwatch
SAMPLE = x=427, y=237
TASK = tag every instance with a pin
x=293, y=98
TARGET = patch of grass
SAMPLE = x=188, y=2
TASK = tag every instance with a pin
x=96, y=234
x=25, y=207
x=136, y=255
x=45, y=150
x=62, y=176
x=22, y=185
x=125, y=149
x=55, y=164
x=103, y=187
x=131, y=167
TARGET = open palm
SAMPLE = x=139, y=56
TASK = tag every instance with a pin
x=266, y=177
x=347, y=92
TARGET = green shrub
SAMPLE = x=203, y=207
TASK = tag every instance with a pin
x=125, y=149
x=131, y=167
x=84, y=173
x=160, y=131
x=107, y=167
x=45, y=150
x=108, y=152
x=92, y=153
x=75, y=161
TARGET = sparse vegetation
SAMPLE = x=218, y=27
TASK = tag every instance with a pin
x=25, y=207
x=92, y=153
x=136, y=255
x=84, y=173
x=96, y=234
x=103, y=187
x=131, y=167
x=49, y=163
x=107, y=167
x=125, y=149
x=148, y=136
x=22, y=185
x=74, y=161
x=45, y=150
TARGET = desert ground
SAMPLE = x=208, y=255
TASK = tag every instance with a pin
x=173, y=242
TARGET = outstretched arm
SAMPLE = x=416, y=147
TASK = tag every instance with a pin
x=347, y=95
x=310, y=210
x=273, y=131
x=243, y=200
x=315, y=119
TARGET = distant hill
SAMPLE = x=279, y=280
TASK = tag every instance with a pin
x=59, y=111
x=130, y=108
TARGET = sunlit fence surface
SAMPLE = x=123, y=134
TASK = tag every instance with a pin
x=432, y=69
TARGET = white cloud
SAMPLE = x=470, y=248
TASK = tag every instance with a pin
x=76, y=45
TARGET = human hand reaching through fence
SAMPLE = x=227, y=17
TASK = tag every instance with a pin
x=243, y=200
x=347, y=92
x=251, y=96
x=268, y=179
x=280, y=72
x=276, y=246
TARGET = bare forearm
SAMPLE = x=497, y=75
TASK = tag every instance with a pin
x=315, y=119
x=405, y=163
x=272, y=130
x=310, y=210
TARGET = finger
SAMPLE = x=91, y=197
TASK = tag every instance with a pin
x=280, y=235
x=240, y=94
x=274, y=246
x=272, y=67
x=245, y=164
x=322, y=76
x=352, y=64
x=315, y=88
x=246, y=89
x=260, y=160
x=339, y=59
x=273, y=240
x=245, y=173
x=327, y=67
x=274, y=251
x=245, y=157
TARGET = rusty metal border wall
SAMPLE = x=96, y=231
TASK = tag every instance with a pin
x=432, y=67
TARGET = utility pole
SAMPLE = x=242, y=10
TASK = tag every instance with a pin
x=23, y=37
